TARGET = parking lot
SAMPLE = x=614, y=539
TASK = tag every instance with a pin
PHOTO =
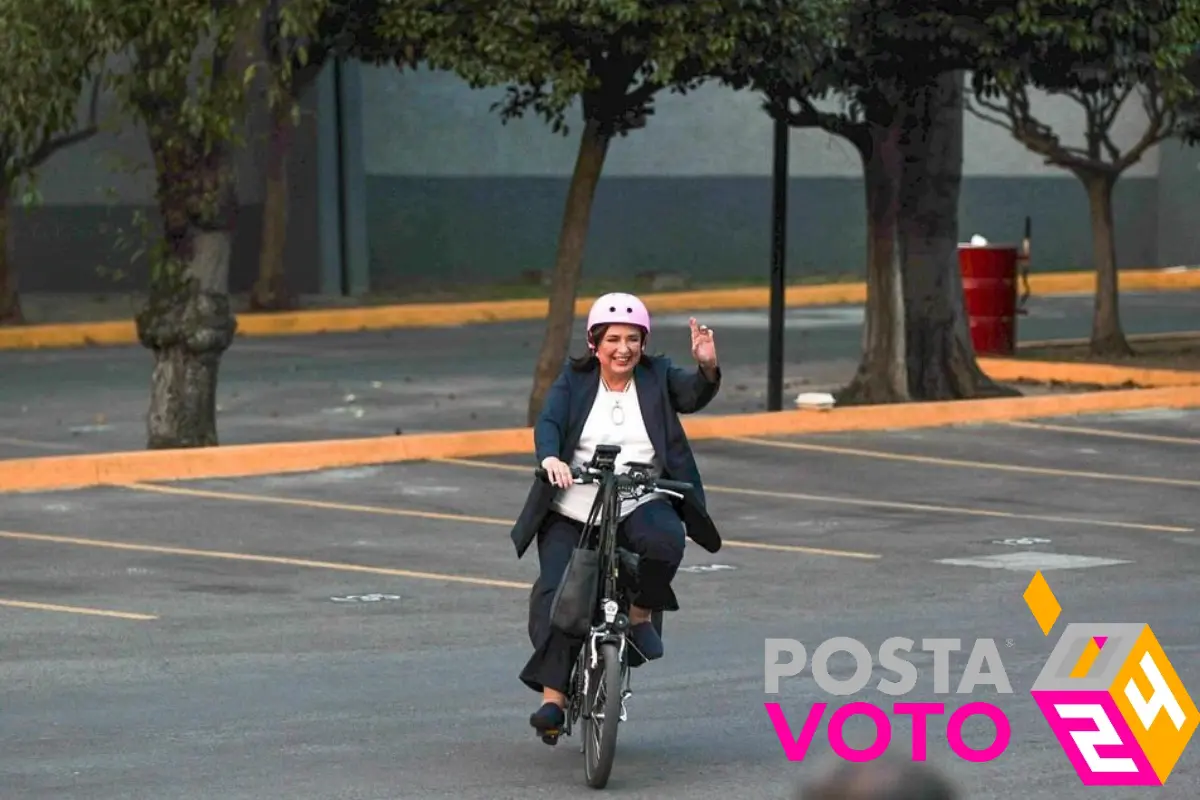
x=473, y=377
x=357, y=633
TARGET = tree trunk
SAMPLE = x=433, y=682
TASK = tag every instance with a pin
x=564, y=287
x=270, y=291
x=10, y=299
x=940, y=355
x=882, y=375
x=188, y=322
x=1108, y=337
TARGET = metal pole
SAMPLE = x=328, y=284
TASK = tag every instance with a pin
x=779, y=180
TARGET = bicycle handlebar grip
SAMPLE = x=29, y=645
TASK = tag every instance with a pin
x=674, y=486
x=541, y=474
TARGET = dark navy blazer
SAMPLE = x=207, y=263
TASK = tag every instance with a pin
x=664, y=391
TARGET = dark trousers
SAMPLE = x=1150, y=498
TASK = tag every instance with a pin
x=653, y=531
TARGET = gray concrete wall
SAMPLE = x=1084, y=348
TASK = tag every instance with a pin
x=456, y=196
x=1178, y=205
x=82, y=236
x=442, y=193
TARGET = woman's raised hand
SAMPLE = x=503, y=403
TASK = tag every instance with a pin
x=704, y=349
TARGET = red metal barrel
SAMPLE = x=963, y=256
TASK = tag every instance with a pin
x=989, y=276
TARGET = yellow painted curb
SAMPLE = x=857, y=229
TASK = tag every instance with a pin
x=1009, y=370
x=73, y=334
x=429, y=315
x=101, y=469
x=422, y=315
x=1143, y=280
x=1132, y=338
x=899, y=416
x=107, y=469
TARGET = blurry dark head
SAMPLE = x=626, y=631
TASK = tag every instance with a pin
x=880, y=780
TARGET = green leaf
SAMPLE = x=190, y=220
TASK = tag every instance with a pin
x=49, y=54
x=1101, y=56
x=604, y=59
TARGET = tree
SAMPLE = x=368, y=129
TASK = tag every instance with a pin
x=292, y=66
x=897, y=67
x=940, y=357
x=48, y=57
x=612, y=58
x=300, y=38
x=1099, y=57
x=871, y=119
x=190, y=62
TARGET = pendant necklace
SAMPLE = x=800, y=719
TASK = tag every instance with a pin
x=618, y=414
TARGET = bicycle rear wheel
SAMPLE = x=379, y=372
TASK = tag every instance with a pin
x=601, y=717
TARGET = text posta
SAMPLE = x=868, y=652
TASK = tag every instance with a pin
x=983, y=652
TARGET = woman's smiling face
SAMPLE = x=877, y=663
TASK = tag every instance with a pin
x=618, y=348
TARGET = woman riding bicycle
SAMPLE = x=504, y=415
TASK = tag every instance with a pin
x=619, y=395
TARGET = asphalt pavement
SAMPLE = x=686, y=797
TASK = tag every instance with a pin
x=470, y=377
x=356, y=634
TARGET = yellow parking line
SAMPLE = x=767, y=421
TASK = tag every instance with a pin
x=295, y=501
x=979, y=512
x=796, y=548
x=891, y=504
x=277, y=560
x=96, y=612
x=1149, y=437
x=39, y=445
x=955, y=462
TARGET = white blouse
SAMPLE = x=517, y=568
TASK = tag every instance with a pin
x=616, y=419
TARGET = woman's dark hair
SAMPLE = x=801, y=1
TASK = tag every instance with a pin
x=586, y=363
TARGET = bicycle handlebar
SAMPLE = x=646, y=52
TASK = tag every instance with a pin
x=649, y=481
x=671, y=486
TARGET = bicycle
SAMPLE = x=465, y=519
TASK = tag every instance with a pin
x=601, y=682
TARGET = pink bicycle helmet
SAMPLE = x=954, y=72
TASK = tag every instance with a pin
x=617, y=308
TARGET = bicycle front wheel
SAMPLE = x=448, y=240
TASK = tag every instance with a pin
x=602, y=717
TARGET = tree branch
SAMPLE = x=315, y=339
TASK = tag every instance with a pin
x=1038, y=137
x=52, y=144
x=857, y=133
x=997, y=121
x=1107, y=119
x=1160, y=125
x=620, y=107
x=637, y=99
x=1093, y=132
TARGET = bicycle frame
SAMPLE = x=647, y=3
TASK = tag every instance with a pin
x=615, y=619
x=610, y=616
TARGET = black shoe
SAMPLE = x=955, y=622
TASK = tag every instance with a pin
x=646, y=642
x=548, y=721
